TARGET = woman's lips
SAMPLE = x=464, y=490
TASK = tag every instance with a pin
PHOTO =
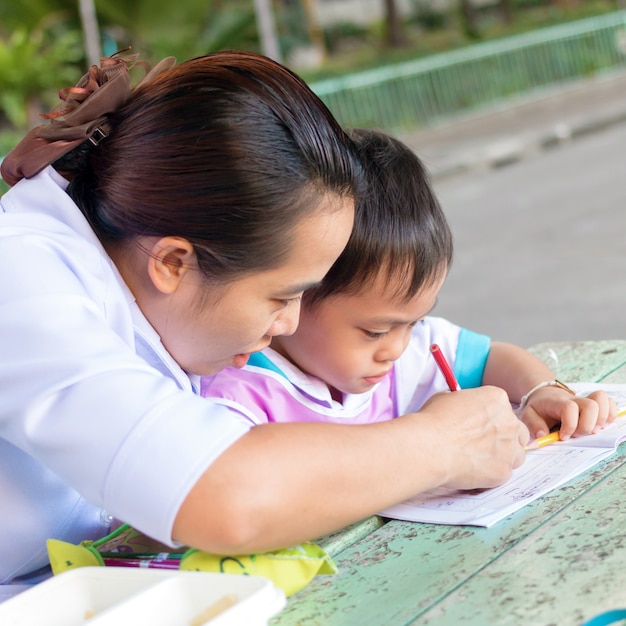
x=240, y=360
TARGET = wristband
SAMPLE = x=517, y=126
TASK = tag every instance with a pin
x=546, y=383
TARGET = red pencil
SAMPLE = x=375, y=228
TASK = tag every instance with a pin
x=445, y=368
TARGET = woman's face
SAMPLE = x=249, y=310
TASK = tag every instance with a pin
x=208, y=328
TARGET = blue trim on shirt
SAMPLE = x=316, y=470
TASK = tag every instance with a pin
x=471, y=358
x=258, y=359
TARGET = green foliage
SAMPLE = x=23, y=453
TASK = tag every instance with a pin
x=33, y=64
x=29, y=14
x=345, y=35
x=8, y=140
x=154, y=28
x=291, y=26
x=38, y=56
x=228, y=29
x=354, y=48
x=428, y=16
x=158, y=28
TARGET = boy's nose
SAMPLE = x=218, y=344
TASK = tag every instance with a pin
x=391, y=351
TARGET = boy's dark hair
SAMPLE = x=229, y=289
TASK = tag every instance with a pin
x=399, y=226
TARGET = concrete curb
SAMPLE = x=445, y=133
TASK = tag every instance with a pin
x=513, y=149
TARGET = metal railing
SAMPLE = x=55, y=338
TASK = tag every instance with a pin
x=417, y=93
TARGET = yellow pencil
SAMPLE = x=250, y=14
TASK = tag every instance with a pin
x=546, y=440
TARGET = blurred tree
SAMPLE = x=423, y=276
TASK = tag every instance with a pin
x=91, y=32
x=187, y=28
x=30, y=13
x=469, y=19
x=302, y=41
x=395, y=36
x=506, y=11
x=307, y=34
x=311, y=12
x=267, y=29
x=154, y=28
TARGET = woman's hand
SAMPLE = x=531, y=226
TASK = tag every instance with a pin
x=481, y=439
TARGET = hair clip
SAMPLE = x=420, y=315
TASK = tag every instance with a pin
x=83, y=116
x=98, y=135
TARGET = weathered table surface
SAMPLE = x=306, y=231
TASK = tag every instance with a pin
x=557, y=561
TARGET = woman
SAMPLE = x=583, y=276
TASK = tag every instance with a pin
x=174, y=234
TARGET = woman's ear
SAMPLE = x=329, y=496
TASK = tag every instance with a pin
x=169, y=260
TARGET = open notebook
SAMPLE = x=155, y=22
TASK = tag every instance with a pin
x=545, y=469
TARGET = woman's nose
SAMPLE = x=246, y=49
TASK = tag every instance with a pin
x=287, y=320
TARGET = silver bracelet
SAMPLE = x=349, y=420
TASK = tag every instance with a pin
x=546, y=383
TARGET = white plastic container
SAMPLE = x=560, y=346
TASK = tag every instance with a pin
x=114, y=596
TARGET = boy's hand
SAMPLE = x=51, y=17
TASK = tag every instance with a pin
x=577, y=415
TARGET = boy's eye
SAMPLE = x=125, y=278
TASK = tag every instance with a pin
x=378, y=334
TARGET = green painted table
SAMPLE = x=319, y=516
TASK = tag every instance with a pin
x=558, y=561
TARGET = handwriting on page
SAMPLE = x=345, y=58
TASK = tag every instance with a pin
x=539, y=473
x=545, y=469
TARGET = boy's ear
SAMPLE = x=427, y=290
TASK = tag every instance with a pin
x=169, y=260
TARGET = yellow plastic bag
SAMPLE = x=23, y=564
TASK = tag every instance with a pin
x=290, y=569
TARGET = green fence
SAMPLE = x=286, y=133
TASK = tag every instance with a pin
x=417, y=93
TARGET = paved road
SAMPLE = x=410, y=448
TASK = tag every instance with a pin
x=541, y=243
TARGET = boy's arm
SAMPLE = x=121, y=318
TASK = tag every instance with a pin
x=517, y=371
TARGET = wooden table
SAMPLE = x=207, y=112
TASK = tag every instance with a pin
x=558, y=561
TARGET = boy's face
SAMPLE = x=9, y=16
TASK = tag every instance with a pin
x=351, y=341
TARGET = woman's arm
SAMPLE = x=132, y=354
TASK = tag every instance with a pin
x=285, y=483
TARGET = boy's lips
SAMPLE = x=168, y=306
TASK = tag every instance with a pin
x=373, y=380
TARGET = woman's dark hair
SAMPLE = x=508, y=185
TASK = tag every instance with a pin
x=399, y=226
x=228, y=151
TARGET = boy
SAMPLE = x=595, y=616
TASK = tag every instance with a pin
x=361, y=352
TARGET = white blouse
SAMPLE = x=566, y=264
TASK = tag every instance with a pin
x=90, y=401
